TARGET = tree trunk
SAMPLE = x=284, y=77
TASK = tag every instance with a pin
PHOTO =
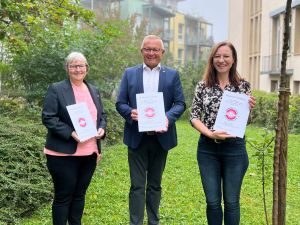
x=281, y=141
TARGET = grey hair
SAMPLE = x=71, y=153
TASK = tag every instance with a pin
x=155, y=37
x=75, y=56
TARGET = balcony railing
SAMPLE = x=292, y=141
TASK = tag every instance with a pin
x=167, y=35
x=201, y=40
x=272, y=64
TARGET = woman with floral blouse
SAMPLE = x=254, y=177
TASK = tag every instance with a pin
x=222, y=158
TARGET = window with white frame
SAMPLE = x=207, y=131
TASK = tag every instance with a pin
x=180, y=55
x=290, y=36
x=296, y=88
x=297, y=31
x=274, y=85
x=276, y=49
x=180, y=32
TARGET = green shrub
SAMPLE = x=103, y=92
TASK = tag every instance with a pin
x=18, y=107
x=265, y=111
x=190, y=75
x=24, y=180
x=25, y=183
x=115, y=123
x=294, y=118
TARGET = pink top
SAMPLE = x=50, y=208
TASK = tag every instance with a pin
x=90, y=146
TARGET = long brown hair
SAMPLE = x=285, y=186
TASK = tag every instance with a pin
x=210, y=75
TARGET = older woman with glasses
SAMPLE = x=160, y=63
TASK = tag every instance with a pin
x=71, y=162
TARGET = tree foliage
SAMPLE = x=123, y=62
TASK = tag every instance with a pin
x=21, y=21
x=263, y=150
x=190, y=75
x=109, y=48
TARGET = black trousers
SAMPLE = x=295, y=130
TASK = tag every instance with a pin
x=71, y=177
x=146, y=165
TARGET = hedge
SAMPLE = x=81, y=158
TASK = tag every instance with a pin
x=265, y=112
x=25, y=183
x=24, y=180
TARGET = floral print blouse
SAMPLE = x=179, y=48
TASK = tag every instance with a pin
x=207, y=100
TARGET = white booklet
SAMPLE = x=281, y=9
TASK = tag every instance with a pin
x=233, y=113
x=82, y=121
x=151, y=111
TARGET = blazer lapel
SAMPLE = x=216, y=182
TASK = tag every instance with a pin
x=139, y=77
x=95, y=96
x=162, y=78
x=68, y=93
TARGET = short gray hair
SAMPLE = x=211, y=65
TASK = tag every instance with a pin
x=152, y=36
x=75, y=56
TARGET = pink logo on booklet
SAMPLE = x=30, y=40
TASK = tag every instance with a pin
x=231, y=114
x=82, y=122
x=150, y=112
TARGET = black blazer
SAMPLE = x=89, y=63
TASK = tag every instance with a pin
x=57, y=120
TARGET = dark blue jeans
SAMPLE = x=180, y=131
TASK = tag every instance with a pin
x=222, y=169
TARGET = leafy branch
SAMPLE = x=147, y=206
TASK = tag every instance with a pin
x=263, y=149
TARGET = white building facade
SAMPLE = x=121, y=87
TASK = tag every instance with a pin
x=256, y=29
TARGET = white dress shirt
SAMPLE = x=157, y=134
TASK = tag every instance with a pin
x=150, y=78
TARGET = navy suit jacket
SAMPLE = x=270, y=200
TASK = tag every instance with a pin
x=57, y=120
x=132, y=84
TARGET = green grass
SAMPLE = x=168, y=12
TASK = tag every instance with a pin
x=183, y=198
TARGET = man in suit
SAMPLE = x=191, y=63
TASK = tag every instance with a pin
x=147, y=151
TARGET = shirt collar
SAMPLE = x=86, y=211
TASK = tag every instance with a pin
x=157, y=68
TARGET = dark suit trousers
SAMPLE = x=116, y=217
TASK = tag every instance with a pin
x=71, y=176
x=146, y=165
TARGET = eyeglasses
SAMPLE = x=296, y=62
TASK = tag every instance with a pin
x=73, y=67
x=154, y=50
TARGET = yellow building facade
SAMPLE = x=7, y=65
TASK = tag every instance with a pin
x=177, y=46
x=192, y=39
